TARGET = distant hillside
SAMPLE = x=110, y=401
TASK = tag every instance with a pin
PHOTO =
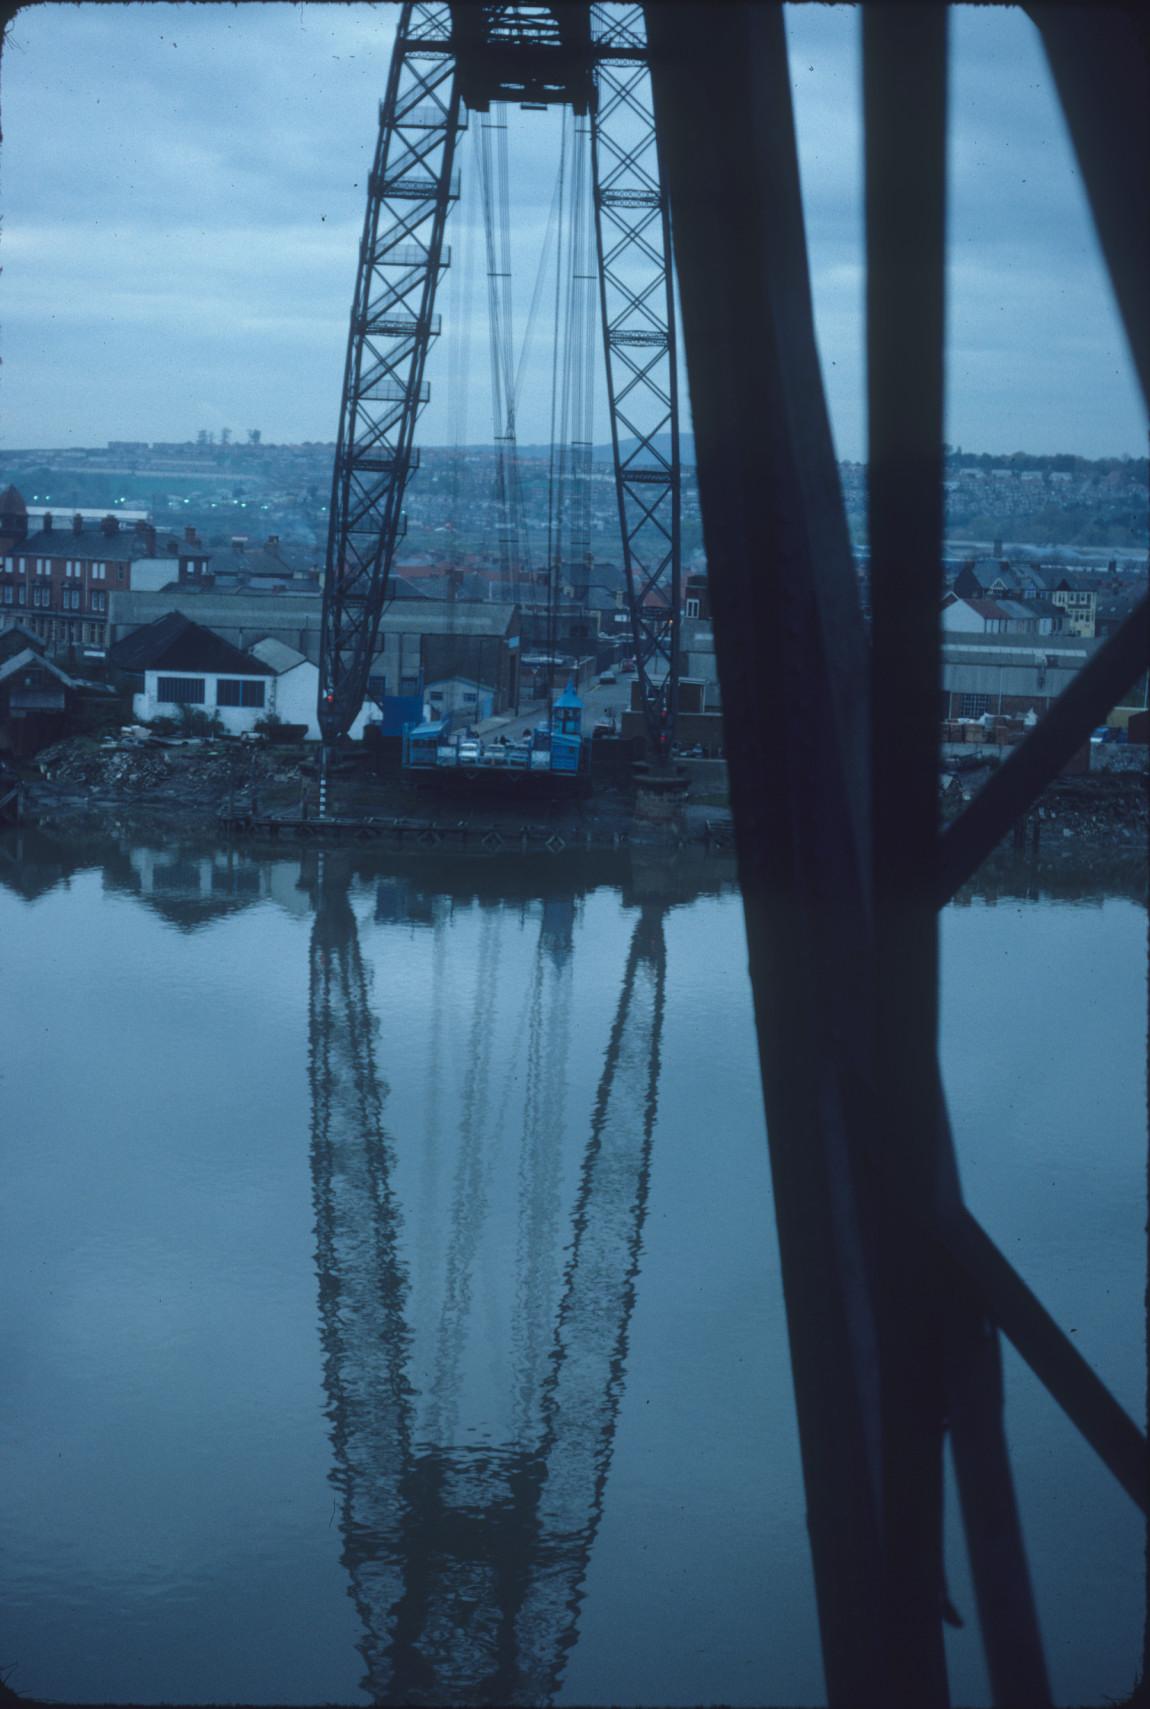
x=604, y=453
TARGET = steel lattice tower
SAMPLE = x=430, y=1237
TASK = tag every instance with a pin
x=450, y=60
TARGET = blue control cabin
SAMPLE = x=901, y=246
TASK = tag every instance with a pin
x=566, y=733
x=552, y=748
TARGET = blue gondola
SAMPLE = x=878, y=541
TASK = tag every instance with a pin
x=553, y=747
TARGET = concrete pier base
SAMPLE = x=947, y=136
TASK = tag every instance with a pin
x=660, y=792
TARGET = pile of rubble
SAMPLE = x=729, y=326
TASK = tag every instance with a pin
x=193, y=772
x=82, y=764
x=1108, y=809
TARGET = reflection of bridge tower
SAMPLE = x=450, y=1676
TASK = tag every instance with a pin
x=362, y=1283
x=467, y=1561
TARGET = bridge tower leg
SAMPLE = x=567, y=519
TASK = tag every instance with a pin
x=633, y=236
x=401, y=258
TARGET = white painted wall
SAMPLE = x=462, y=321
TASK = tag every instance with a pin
x=235, y=719
x=454, y=693
x=294, y=695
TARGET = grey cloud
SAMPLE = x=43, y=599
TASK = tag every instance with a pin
x=207, y=249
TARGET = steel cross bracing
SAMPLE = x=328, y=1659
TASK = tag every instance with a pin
x=449, y=58
x=401, y=257
x=633, y=235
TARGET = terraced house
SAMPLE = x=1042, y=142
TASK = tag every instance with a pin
x=56, y=578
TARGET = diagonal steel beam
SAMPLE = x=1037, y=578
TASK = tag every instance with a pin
x=1038, y=759
x=1100, y=59
x=989, y=1276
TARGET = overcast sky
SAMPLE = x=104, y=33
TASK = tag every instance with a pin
x=183, y=192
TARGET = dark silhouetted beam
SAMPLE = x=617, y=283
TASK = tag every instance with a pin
x=791, y=658
x=1039, y=758
x=904, y=112
x=1100, y=58
x=1051, y=1355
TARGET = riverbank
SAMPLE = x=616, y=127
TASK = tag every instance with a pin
x=186, y=787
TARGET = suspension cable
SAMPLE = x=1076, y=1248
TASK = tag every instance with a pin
x=495, y=306
x=554, y=497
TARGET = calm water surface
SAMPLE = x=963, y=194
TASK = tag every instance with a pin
x=393, y=1303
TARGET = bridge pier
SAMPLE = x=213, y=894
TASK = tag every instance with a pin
x=660, y=792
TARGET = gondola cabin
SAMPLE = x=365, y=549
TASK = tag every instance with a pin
x=552, y=748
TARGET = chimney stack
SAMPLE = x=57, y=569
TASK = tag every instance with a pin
x=77, y=524
x=110, y=525
x=47, y=522
x=190, y=535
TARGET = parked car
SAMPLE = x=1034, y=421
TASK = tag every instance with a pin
x=469, y=751
x=607, y=678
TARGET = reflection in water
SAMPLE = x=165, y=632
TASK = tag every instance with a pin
x=467, y=1560
x=470, y=1203
x=541, y=1148
x=190, y=1496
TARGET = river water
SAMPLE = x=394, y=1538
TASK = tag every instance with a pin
x=393, y=1302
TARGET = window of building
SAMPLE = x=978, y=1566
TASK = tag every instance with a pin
x=230, y=693
x=9, y=596
x=181, y=690
x=409, y=685
x=376, y=687
x=99, y=601
x=99, y=572
x=435, y=695
x=973, y=705
x=692, y=608
x=470, y=699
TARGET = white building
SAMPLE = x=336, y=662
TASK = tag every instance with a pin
x=175, y=663
x=294, y=688
x=462, y=696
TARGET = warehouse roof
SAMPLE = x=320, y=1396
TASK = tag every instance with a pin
x=176, y=643
x=278, y=655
